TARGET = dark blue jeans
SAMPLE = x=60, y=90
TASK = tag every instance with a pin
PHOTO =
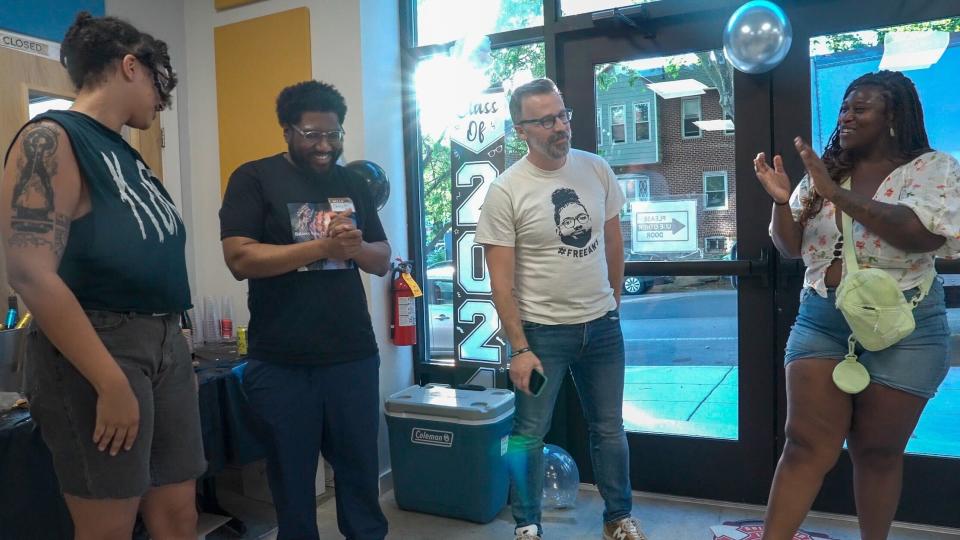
x=593, y=352
x=303, y=410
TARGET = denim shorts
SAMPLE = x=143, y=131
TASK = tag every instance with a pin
x=917, y=364
x=153, y=354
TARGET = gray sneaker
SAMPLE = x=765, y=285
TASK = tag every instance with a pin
x=627, y=528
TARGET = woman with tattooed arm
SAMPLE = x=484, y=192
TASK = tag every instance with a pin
x=95, y=248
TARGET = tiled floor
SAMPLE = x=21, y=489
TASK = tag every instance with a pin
x=662, y=519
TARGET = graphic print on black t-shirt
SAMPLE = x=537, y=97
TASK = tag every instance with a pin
x=574, y=226
x=310, y=221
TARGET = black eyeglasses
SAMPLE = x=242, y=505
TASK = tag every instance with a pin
x=314, y=136
x=163, y=80
x=547, y=122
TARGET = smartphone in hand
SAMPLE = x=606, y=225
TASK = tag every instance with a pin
x=537, y=382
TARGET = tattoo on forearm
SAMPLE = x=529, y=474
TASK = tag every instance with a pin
x=33, y=192
x=871, y=212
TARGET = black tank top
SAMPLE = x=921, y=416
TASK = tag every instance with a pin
x=127, y=254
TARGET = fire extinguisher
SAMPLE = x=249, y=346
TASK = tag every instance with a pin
x=405, y=291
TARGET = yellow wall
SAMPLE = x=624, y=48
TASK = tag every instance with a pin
x=255, y=59
x=227, y=4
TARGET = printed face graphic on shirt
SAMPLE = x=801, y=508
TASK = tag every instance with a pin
x=311, y=221
x=574, y=226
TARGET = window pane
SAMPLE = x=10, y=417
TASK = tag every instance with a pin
x=440, y=21
x=689, y=128
x=573, y=7
x=40, y=103
x=643, y=132
x=642, y=111
x=716, y=199
x=928, y=53
x=714, y=183
x=618, y=114
x=443, y=86
x=680, y=332
x=618, y=132
x=680, y=338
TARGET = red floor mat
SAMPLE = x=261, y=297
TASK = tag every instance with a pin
x=752, y=529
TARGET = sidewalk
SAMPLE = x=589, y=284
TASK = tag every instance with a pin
x=702, y=401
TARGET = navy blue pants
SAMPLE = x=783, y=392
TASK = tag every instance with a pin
x=301, y=411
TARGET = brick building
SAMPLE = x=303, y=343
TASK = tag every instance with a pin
x=659, y=154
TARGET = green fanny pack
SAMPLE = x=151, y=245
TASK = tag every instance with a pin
x=875, y=308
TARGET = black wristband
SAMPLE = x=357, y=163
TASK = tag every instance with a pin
x=520, y=351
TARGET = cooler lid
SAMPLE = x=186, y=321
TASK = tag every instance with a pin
x=451, y=403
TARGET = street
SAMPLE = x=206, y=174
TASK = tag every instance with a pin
x=680, y=329
x=698, y=328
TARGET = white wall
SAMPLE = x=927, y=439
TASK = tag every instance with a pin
x=383, y=126
x=355, y=46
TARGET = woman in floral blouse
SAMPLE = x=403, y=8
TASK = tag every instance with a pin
x=904, y=199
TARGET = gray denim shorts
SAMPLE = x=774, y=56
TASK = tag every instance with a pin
x=153, y=353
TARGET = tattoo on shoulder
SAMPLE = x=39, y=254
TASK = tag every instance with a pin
x=33, y=192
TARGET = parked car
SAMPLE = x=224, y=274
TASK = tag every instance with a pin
x=640, y=284
x=439, y=293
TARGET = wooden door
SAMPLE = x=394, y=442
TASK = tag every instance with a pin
x=30, y=78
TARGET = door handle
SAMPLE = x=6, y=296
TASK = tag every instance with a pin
x=758, y=268
x=441, y=317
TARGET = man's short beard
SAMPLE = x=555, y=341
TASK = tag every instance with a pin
x=306, y=166
x=557, y=152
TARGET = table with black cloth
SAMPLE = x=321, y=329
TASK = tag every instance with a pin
x=31, y=506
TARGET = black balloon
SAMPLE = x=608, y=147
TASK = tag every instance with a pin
x=376, y=179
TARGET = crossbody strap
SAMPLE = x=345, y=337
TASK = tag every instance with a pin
x=849, y=255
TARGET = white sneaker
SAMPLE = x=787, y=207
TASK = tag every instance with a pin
x=530, y=532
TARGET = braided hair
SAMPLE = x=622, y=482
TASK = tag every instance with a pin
x=903, y=103
x=92, y=44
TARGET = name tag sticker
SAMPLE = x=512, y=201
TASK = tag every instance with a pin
x=341, y=204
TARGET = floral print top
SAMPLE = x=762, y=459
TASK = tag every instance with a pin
x=929, y=185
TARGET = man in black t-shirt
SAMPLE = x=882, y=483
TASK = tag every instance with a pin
x=299, y=227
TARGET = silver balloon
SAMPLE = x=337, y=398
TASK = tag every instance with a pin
x=757, y=37
x=561, y=479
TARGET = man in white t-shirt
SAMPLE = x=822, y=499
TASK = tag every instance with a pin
x=551, y=228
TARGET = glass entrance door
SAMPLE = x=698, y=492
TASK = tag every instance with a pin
x=926, y=49
x=697, y=309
